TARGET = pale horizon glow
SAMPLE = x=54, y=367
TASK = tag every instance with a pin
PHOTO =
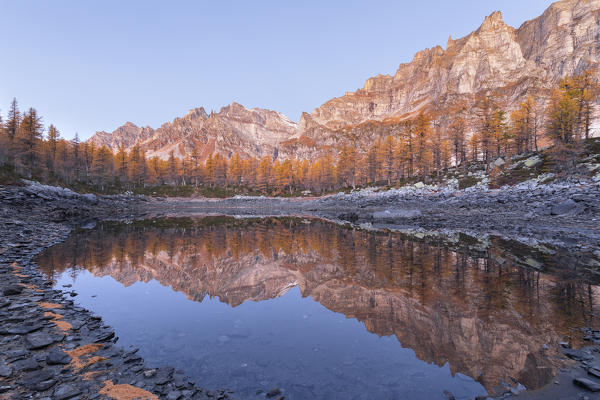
x=90, y=66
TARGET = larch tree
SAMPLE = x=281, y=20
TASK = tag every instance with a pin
x=13, y=120
x=457, y=132
x=102, y=166
x=264, y=174
x=173, y=168
x=586, y=91
x=122, y=164
x=387, y=158
x=235, y=170
x=76, y=157
x=29, y=137
x=422, y=147
x=53, y=136
x=408, y=137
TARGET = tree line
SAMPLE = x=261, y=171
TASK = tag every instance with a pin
x=413, y=149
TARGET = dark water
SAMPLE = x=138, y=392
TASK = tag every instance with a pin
x=328, y=312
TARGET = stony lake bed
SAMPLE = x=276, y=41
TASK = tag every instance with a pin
x=438, y=314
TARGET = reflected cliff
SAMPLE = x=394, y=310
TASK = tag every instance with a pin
x=477, y=305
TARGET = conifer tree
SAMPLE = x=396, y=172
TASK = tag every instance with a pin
x=264, y=174
x=387, y=158
x=122, y=167
x=13, y=121
x=173, y=168
x=29, y=137
x=53, y=138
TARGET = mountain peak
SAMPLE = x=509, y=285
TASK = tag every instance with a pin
x=195, y=113
x=493, y=22
x=450, y=42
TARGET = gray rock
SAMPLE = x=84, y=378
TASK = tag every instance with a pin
x=29, y=364
x=594, y=372
x=39, y=380
x=566, y=207
x=5, y=370
x=104, y=336
x=57, y=356
x=273, y=392
x=22, y=329
x=396, y=214
x=39, y=340
x=174, y=395
x=12, y=290
x=66, y=391
x=578, y=355
x=5, y=388
x=164, y=375
x=150, y=373
x=587, y=384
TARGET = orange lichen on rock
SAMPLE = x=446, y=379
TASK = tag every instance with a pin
x=88, y=376
x=80, y=359
x=53, y=315
x=27, y=286
x=125, y=392
x=49, y=305
x=56, y=320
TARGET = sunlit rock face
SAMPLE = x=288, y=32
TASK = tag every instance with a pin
x=451, y=305
x=496, y=59
x=234, y=129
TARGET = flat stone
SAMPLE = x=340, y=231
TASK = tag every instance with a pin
x=66, y=391
x=13, y=355
x=578, y=355
x=594, y=372
x=29, y=364
x=174, y=395
x=564, y=207
x=5, y=388
x=164, y=375
x=39, y=380
x=131, y=359
x=273, y=392
x=587, y=384
x=150, y=373
x=57, y=356
x=12, y=290
x=39, y=340
x=22, y=329
x=105, y=336
x=5, y=370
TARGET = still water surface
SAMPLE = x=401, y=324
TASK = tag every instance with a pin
x=328, y=312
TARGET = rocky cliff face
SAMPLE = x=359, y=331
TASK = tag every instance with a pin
x=249, y=132
x=495, y=59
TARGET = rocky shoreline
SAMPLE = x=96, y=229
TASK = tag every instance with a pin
x=49, y=347
x=564, y=214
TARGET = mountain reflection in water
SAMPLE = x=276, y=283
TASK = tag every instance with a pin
x=452, y=300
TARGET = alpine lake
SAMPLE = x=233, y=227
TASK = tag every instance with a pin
x=328, y=311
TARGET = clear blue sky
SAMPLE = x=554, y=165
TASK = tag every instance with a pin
x=93, y=65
